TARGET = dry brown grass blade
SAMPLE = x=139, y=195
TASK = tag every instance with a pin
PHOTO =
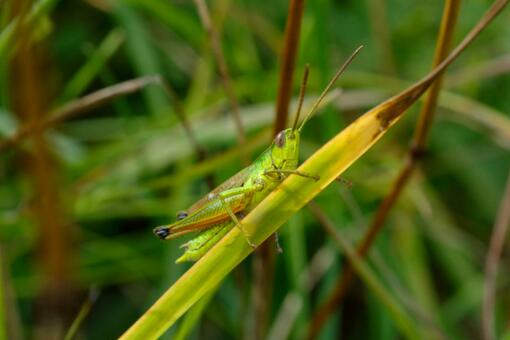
x=441, y=60
x=214, y=39
x=77, y=107
x=29, y=94
x=265, y=257
x=88, y=102
x=288, y=63
x=450, y=15
x=484, y=70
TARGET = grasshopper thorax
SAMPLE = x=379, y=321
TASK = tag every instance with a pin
x=285, y=149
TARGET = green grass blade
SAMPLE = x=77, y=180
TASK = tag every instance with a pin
x=142, y=53
x=396, y=311
x=94, y=65
x=3, y=316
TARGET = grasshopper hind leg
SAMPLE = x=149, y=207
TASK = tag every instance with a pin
x=257, y=186
x=195, y=248
x=238, y=223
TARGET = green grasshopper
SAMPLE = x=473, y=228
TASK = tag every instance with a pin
x=223, y=208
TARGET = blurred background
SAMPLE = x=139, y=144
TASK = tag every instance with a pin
x=83, y=183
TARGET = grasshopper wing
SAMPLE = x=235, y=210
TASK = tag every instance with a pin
x=209, y=215
x=236, y=180
x=206, y=213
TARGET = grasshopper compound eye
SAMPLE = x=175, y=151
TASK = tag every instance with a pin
x=279, y=140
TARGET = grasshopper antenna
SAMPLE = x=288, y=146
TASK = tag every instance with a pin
x=330, y=84
x=301, y=95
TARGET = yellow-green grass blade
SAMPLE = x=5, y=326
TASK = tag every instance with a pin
x=93, y=66
x=193, y=316
x=328, y=162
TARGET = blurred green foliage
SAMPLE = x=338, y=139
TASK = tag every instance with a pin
x=128, y=166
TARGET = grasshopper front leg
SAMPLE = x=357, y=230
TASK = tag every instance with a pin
x=195, y=248
x=285, y=172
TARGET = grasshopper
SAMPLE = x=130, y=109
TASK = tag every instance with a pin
x=223, y=208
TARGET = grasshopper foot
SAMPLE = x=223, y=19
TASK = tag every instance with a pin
x=253, y=245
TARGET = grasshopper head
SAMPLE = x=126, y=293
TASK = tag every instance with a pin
x=285, y=149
